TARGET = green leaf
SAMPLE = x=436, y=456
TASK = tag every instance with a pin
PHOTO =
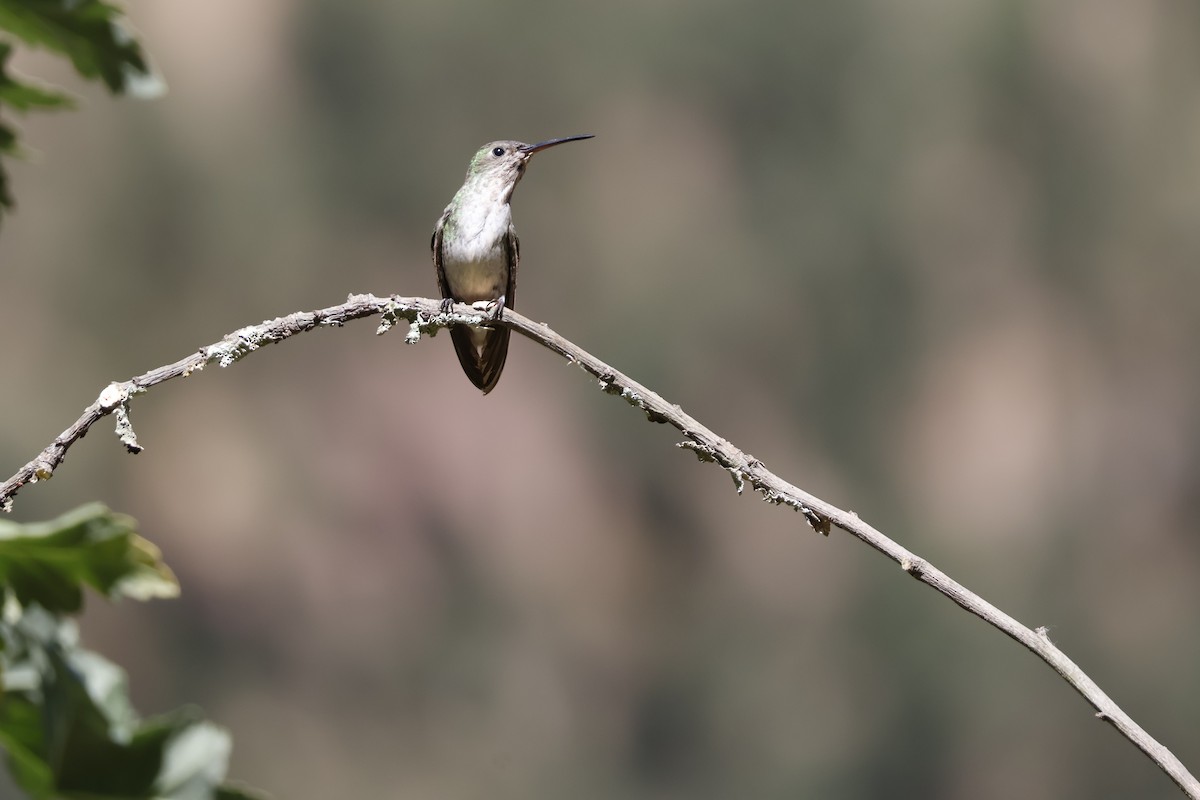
x=21, y=737
x=86, y=31
x=89, y=32
x=49, y=563
x=70, y=731
x=8, y=146
x=6, y=199
x=24, y=96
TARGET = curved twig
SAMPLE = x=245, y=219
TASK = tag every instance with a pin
x=423, y=316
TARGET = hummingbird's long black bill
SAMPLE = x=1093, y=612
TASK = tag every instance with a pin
x=533, y=148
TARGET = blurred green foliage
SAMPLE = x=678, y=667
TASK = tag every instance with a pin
x=50, y=563
x=66, y=721
x=88, y=32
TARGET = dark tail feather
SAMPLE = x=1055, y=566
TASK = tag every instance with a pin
x=483, y=369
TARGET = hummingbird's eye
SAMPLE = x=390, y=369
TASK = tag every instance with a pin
x=497, y=151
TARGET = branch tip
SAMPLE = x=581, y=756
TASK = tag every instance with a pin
x=815, y=521
x=703, y=452
x=125, y=430
x=389, y=318
x=414, y=330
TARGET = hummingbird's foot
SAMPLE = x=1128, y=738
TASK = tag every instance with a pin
x=497, y=307
x=447, y=302
x=493, y=308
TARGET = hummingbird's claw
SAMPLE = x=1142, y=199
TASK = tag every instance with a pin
x=447, y=302
x=497, y=307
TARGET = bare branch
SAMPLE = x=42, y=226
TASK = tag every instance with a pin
x=116, y=396
x=423, y=316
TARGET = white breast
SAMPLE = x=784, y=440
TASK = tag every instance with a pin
x=474, y=256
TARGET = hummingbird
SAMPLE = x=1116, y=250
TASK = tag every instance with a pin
x=475, y=251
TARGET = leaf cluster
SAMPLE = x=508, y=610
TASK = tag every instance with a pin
x=88, y=32
x=66, y=721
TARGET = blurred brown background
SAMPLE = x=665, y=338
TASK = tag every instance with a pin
x=936, y=262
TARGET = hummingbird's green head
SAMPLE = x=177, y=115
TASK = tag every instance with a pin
x=504, y=161
x=501, y=162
